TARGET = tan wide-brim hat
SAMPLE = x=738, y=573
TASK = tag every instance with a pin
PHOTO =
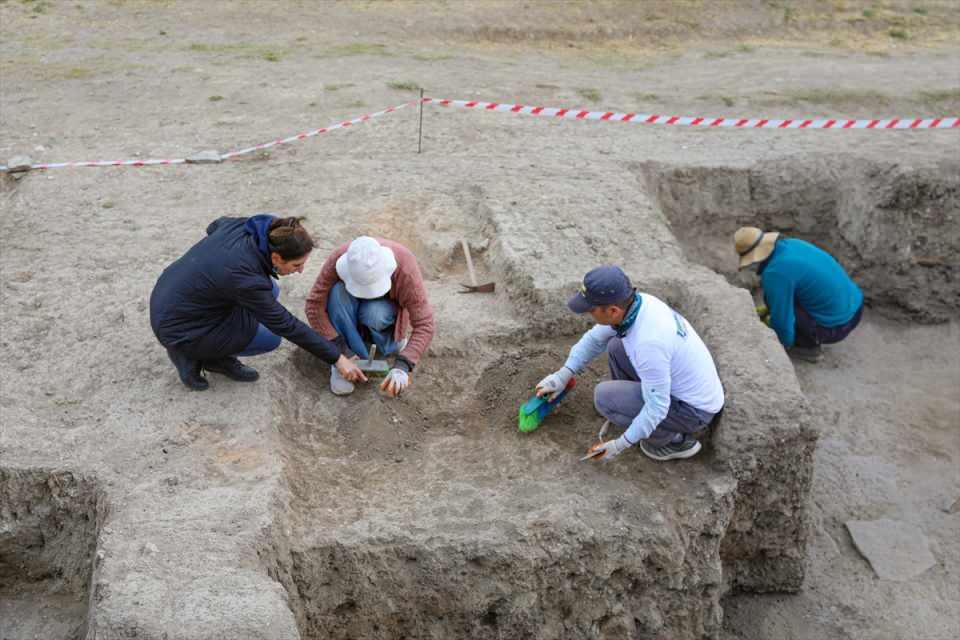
x=753, y=245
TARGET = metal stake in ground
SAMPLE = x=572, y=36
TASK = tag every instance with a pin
x=420, y=127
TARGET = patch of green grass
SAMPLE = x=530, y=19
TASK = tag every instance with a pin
x=726, y=100
x=432, y=57
x=215, y=98
x=337, y=87
x=647, y=97
x=354, y=49
x=407, y=85
x=77, y=73
x=591, y=95
x=939, y=95
x=241, y=49
x=878, y=54
x=920, y=11
x=546, y=86
x=869, y=13
x=899, y=34
x=745, y=48
x=716, y=55
x=831, y=96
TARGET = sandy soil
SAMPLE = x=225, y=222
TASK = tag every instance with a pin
x=81, y=248
x=887, y=401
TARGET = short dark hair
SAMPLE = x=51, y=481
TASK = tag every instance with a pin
x=289, y=238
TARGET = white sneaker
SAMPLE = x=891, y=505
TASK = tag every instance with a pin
x=339, y=385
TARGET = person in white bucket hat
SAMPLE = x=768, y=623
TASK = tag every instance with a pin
x=371, y=291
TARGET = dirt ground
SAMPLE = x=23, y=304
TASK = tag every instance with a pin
x=80, y=249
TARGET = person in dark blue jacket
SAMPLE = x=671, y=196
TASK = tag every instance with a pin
x=811, y=299
x=219, y=301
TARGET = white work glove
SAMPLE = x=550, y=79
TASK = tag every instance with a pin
x=396, y=382
x=611, y=449
x=554, y=384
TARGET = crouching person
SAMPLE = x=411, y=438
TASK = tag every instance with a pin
x=664, y=387
x=811, y=299
x=371, y=291
x=219, y=301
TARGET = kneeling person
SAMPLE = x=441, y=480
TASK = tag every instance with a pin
x=371, y=290
x=219, y=300
x=664, y=386
x=812, y=300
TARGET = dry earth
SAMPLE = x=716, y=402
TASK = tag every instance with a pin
x=130, y=508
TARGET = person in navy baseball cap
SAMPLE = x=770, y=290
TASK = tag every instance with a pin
x=606, y=285
x=664, y=389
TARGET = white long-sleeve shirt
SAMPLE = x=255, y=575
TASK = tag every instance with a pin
x=669, y=357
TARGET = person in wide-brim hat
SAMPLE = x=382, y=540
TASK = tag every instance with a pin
x=810, y=298
x=368, y=291
x=753, y=245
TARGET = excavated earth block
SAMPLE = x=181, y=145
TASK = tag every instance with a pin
x=276, y=510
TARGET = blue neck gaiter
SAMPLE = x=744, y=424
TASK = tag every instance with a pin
x=630, y=317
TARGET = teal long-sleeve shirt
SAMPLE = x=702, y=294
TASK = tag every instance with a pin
x=798, y=272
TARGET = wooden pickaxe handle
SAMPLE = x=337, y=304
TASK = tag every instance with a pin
x=466, y=253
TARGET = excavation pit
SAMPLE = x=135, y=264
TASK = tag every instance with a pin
x=49, y=523
x=893, y=227
x=433, y=517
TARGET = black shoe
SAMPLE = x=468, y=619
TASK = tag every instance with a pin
x=232, y=368
x=672, y=450
x=810, y=354
x=189, y=370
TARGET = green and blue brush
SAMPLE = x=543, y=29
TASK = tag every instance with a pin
x=534, y=410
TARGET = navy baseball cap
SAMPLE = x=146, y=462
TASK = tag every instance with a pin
x=604, y=285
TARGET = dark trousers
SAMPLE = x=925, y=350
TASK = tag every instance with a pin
x=620, y=401
x=810, y=335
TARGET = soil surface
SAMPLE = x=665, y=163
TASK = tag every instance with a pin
x=83, y=380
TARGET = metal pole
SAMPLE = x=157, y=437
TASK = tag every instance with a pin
x=420, y=127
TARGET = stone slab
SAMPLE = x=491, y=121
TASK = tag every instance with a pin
x=896, y=550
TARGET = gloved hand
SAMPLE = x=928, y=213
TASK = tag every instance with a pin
x=396, y=382
x=554, y=384
x=611, y=449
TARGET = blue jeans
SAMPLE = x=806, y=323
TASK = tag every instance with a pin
x=264, y=340
x=358, y=320
x=620, y=401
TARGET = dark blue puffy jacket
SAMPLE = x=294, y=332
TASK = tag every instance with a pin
x=208, y=303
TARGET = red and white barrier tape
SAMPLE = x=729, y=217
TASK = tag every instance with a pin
x=555, y=112
x=226, y=156
x=745, y=123
x=316, y=132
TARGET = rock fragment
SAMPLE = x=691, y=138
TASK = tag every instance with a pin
x=895, y=550
x=18, y=164
x=205, y=157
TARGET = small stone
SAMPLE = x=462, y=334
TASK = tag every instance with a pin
x=896, y=550
x=205, y=157
x=18, y=164
x=953, y=508
x=150, y=548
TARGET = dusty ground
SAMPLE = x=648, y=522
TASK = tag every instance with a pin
x=82, y=379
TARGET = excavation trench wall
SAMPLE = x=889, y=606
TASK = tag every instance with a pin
x=49, y=524
x=895, y=228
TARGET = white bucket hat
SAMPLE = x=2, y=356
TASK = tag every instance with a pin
x=366, y=268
